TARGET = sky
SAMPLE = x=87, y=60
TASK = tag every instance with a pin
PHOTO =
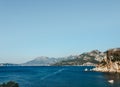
x=56, y=28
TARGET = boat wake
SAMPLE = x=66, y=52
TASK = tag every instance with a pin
x=52, y=74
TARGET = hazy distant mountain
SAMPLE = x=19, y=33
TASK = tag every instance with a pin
x=8, y=64
x=41, y=61
x=46, y=61
x=88, y=58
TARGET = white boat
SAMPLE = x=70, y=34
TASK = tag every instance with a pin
x=111, y=81
x=86, y=69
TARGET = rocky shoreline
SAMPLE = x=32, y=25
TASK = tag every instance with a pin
x=106, y=69
x=110, y=63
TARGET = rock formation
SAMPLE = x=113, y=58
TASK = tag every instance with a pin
x=111, y=62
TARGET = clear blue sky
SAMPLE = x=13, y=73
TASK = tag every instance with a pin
x=55, y=28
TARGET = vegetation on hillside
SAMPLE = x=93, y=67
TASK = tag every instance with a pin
x=93, y=57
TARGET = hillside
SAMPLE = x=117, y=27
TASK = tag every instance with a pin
x=40, y=61
x=46, y=61
x=89, y=58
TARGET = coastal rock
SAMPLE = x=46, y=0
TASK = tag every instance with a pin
x=111, y=61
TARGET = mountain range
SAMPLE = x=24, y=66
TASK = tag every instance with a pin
x=88, y=58
x=46, y=61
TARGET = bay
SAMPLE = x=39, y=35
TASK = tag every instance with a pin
x=57, y=76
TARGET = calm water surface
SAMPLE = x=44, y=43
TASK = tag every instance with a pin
x=57, y=76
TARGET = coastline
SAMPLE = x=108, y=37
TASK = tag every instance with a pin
x=106, y=69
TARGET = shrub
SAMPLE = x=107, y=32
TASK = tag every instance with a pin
x=9, y=84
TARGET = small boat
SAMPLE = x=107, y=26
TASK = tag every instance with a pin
x=111, y=81
x=86, y=69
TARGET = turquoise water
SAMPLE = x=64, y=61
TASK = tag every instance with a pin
x=57, y=76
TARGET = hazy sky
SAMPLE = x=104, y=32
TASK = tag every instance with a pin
x=32, y=28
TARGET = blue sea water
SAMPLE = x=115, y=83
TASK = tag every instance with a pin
x=57, y=76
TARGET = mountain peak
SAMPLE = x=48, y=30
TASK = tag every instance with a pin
x=95, y=51
x=41, y=58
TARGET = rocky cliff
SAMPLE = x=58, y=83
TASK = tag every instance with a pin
x=111, y=61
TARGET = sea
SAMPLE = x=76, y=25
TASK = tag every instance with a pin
x=57, y=76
